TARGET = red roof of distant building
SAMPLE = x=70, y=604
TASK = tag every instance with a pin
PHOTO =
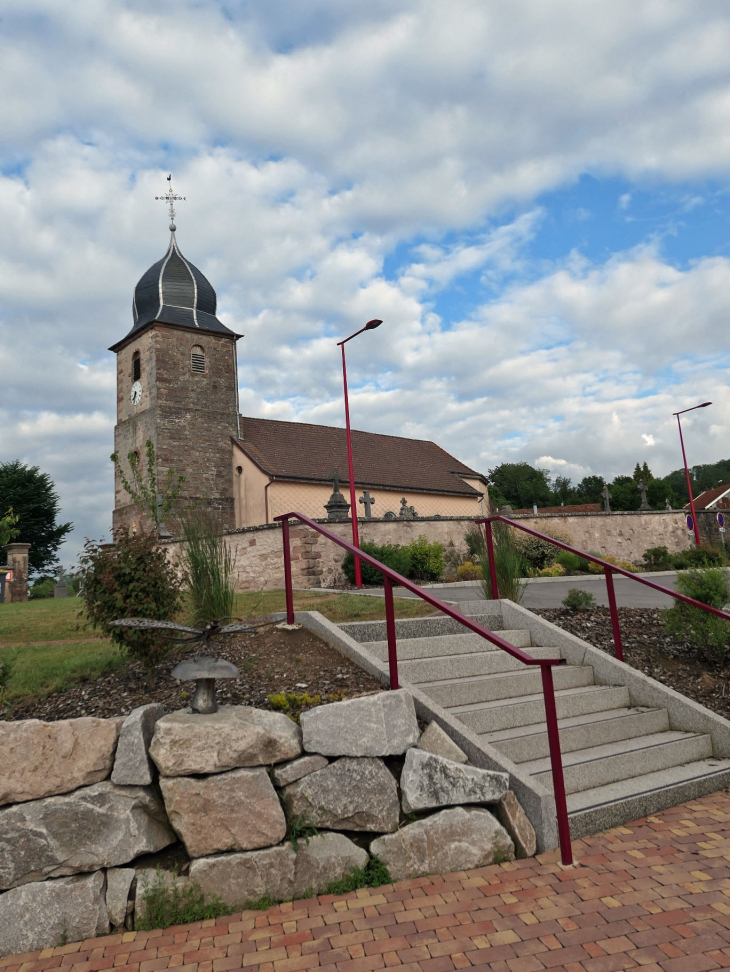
x=710, y=497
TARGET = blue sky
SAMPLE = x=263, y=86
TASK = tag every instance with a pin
x=533, y=197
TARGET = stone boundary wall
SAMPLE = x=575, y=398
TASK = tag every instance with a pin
x=89, y=806
x=259, y=563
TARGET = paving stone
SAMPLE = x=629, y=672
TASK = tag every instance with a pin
x=47, y=913
x=457, y=839
x=185, y=743
x=287, y=773
x=349, y=794
x=435, y=740
x=514, y=820
x=233, y=811
x=95, y=827
x=383, y=724
x=132, y=763
x=41, y=759
x=429, y=781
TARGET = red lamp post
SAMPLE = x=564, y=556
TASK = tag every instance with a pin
x=371, y=325
x=686, y=469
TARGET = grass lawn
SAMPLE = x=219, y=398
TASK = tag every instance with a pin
x=46, y=667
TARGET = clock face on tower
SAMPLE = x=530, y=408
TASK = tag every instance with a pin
x=135, y=395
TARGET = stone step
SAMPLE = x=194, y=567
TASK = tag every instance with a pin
x=585, y=769
x=489, y=688
x=579, y=732
x=472, y=608
x=436, y=624
x=530, y=710
x=467, y=666
x=455, y=644
x=614, y=804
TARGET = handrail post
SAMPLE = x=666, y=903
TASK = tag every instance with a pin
x=617, y=644
x=492, y=564
x=390, y=628
x=287, y=572
x=556, y=765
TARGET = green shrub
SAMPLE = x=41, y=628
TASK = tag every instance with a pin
x=704, y=631
x=595, y=568
x=539, y=553
x=507, y=560
x=427, y=559
x=570, y=561
x=578, y=600
x=554, y=570
x=42, y=587
x=469, y=571
x=657, y=558
x=207, y=568
x=132, y=579
x=699, y=557
x=170, y=903
x=393, y=556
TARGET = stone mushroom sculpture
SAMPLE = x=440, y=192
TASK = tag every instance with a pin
x=204, y=672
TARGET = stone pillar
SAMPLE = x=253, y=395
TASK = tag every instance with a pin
x=18, y=563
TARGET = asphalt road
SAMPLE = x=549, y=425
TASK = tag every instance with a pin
x=549, y=593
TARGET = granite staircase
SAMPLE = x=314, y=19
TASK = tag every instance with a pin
x=620, y=760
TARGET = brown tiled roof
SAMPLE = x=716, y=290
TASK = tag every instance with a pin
x=297, y=450
x=704, y=499
x=577, y=508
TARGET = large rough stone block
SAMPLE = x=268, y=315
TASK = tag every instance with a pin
x=234, y=736
x=515, y=821
x=324, y=858
x=41, y=759
x=238, y=878
x=297, y=769
x=150, y=877
x=375, y=725
x=44, y=915
x=97, y=826
x=435, y=740
x=351, y=794
x=430, y=781
x=132, y=764
x=118, y=885
x=453, y=840
x=233, y=811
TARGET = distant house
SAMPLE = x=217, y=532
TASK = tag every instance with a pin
x=717, y=498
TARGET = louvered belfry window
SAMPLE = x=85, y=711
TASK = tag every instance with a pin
x=136, y=367
x=197, y=360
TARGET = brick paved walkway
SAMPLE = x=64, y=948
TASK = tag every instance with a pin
x=654, y=894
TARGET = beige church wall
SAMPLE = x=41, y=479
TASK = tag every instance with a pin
x=249, y=490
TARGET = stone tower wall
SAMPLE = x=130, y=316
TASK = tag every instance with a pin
x=189, y=417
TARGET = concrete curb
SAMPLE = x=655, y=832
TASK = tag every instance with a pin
x=537, y=802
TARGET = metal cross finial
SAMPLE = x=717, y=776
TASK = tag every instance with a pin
x=171, y=198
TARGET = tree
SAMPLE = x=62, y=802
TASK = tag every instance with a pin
x=624, y=494
x=521, y=484
x=590, y=489
x=144, y=487
x=563, y=491
x=8, y=530
x=32, y=496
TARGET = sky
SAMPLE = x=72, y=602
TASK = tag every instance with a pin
x=533, y=197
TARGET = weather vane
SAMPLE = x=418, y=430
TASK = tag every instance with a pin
x=170, y=198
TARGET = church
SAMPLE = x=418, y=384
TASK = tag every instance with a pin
x=177, y=385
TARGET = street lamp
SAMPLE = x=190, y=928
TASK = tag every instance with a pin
x=371, y=325
x=686, y=470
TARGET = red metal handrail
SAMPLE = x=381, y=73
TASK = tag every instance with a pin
x=390, y=577
x=608, y=570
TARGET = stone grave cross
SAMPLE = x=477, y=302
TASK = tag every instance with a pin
x=368, y=501
x=644, y=501
x=606, y=499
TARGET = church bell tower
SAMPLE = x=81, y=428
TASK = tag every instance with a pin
x=177, y=385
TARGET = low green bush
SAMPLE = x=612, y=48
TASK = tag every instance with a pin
x=705, y=631
x=698, y=557
x=468, y=571
x=42, y=587
x=393, y=556
x=427, y=559
x=571, y=561
x=578, y=600
x=657, y=558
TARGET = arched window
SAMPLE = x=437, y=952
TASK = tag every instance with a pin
x=136, y=366
x=197, y=360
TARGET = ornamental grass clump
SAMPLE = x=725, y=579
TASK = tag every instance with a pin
x=207, y=568
x=507, y=558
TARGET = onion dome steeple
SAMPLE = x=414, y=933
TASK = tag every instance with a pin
x=174, y=291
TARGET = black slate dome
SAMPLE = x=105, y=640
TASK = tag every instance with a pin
x=174, y=291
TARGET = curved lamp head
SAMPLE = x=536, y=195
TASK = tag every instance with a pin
x=371, y=325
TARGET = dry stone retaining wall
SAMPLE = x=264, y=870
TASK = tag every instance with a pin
x=222, y=791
